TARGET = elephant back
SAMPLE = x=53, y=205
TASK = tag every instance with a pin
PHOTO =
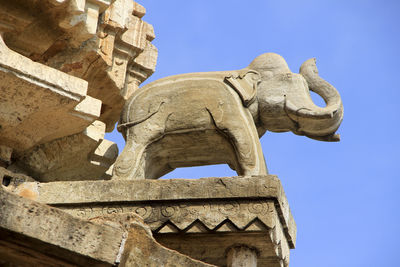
x=149, y=99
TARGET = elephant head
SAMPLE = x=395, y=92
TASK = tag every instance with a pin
x=285, y=104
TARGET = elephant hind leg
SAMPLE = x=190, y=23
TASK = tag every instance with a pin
x=128, y=164
x=131, y=163
x=136, y=162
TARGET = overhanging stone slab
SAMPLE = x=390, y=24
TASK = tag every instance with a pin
x=41, y=235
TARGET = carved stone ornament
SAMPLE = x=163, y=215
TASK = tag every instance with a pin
x=217, y=117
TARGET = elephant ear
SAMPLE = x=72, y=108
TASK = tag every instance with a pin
x=245, y=84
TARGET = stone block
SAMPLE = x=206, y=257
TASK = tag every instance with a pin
x=10, y=180
x=140, y=248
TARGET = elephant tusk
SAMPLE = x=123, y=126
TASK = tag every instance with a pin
x=304, y=112
x=326, y=138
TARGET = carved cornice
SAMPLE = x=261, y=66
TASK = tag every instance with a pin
x=247, y=218
x=244, y=195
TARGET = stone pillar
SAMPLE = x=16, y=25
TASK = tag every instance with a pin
x=241, y=256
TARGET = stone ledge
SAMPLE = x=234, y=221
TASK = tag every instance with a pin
x=116, y=196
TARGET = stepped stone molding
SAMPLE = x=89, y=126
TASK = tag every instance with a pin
x=63, y=65
x=40, y=29
x=115, y=60
x=39, y=104
x=180, y=212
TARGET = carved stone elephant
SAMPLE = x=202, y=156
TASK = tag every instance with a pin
x=217, y=117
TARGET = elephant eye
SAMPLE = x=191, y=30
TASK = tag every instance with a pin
x=267, y=75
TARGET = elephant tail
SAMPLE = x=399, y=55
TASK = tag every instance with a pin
x=135, y=122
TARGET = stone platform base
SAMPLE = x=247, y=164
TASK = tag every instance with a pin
x=214, y=220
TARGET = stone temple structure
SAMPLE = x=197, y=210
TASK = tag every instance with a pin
x=69, y=71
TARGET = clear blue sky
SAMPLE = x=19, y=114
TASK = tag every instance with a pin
x=343, y=195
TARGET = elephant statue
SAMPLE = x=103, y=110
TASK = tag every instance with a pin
x=217, y=117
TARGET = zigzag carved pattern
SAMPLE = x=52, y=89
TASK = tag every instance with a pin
x=226, y=226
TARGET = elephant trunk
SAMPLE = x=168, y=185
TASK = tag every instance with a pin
x=313, y=121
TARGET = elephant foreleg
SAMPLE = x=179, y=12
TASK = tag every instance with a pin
x=248, y=151
x=243, y=135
